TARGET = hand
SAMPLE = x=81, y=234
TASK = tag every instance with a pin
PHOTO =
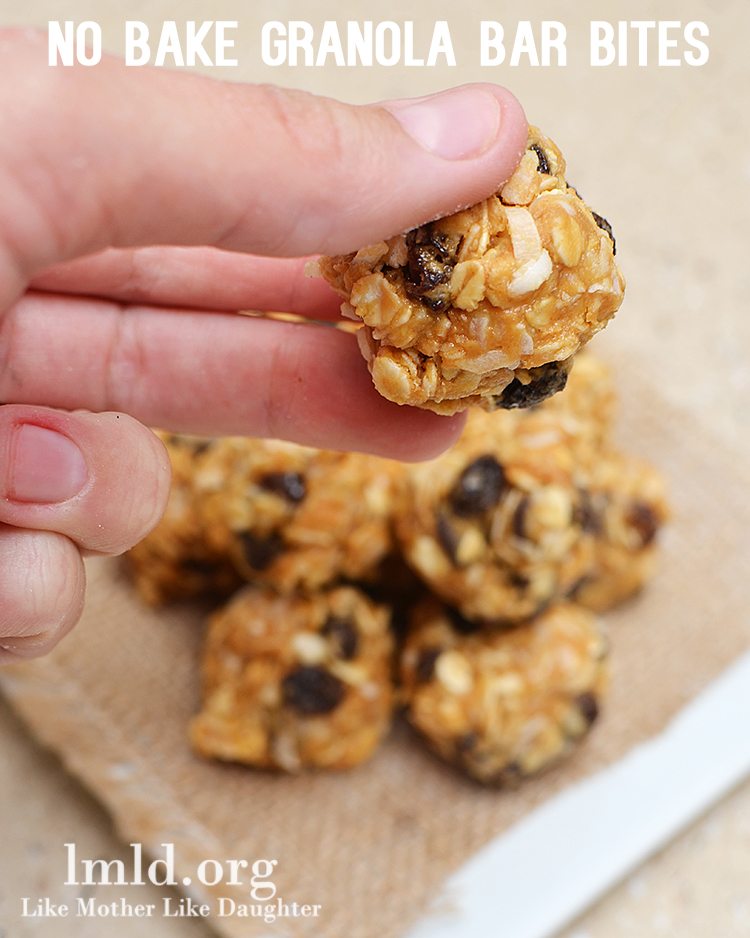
x=123, y=195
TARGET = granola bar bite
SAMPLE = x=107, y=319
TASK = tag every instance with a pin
x=296, y=681
x=488, y=306
x=175, y=561
x=496, y=526
x=503, y=705
x=294, y=517
x=627, y=508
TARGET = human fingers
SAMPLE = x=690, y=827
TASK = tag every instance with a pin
x=195, y=278
x=255, y=168
x=42, y=583
x=205, y=373
x=102, y=480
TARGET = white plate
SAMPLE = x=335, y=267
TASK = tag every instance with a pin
x=537, y=876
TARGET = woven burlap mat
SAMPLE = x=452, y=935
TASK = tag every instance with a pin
x=373, y=845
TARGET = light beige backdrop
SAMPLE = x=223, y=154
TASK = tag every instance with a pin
x=663, y=154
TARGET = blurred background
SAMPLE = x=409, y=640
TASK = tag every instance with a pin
x=662, y=153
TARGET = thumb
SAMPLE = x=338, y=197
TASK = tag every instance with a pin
x=367, y=173
x=115, y=156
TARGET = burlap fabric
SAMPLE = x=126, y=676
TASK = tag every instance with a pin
x=373, y=845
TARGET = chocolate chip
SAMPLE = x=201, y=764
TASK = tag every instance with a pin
x=425, y=666
x=478, y=488
x=543, y=166
x=344, y=635
x=546, y=380
x=260, y=551
x=588, y=706
x=200, y=447
x=605, y=226
x=431, y=256
x=519, y=517
x=290, y=485
x=460, y=623
x=643, y=518
x=312, y=690
x=447, y=536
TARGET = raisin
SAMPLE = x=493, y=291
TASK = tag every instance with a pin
x=290, y=485
x=460, y=623
x=518, y=580
x=542, y=157
x=478, y=488
x=312, y=690
x=643, y=518
x=344, y=635
x=445, y=244
x=425, y=666
x=426, y=269
x=259, y=551
x=431, y=256
x=605, y=226
x=447, y=537
x=546, y=380
x=588, y=706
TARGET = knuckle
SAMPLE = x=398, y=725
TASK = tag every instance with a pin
x=314, y=128
x=320, y=139
x=10, y=379
x=279, y=395
x=121, y=363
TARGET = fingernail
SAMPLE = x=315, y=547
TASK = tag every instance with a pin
x=458, y=124
x=45, y=466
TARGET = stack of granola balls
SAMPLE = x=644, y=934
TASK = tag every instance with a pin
x=462, y=591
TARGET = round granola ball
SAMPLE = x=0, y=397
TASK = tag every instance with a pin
x=294, y=517
x=495, y=526
x=504, y=705
x=626, y=510
x=175, y=561
x=488, y=306
x=295, y=681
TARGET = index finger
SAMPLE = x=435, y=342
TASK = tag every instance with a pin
x=111, y=156
x=208, y=373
